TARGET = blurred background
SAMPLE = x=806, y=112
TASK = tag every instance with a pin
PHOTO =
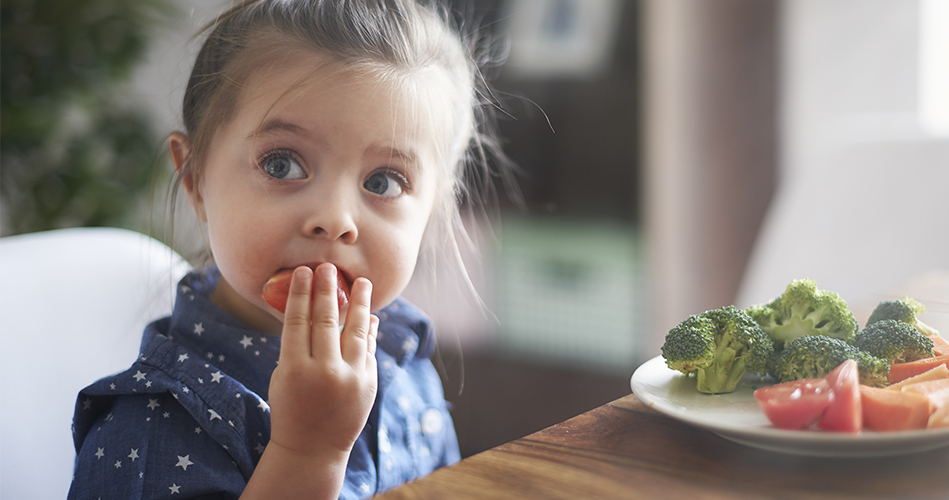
x=675, y=156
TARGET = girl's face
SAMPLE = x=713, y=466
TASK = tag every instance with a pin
x=338, y=168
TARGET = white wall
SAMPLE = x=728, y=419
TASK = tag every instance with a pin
x=862, y=204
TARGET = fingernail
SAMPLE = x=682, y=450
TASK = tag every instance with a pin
x=301, y=272
x=328, y=270
x=363, y=285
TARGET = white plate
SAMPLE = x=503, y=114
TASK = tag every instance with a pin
x=737, y=417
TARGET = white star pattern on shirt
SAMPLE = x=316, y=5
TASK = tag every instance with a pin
x=247, y=342
x=139, y=375
x=134, y=454
x=365, y=488
x=118, y=464
x=214, y=415
x=384, y=445
x=404, y=403
x=153, y=403
x=174, y=488
x=100, y=453
x=184, y=461
x=198, y=328
x=182, y=358
x=217, y=376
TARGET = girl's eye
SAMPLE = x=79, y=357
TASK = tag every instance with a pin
x=388, y=184
x=280, y=165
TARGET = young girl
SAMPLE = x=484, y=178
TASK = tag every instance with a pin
x=326, y=139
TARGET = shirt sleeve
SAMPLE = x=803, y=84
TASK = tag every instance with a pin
x=147, y=447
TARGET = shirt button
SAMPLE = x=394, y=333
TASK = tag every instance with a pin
x=431, y=422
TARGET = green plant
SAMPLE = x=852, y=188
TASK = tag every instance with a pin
x=74, y=149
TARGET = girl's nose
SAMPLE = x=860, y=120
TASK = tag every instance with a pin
x=332, y=220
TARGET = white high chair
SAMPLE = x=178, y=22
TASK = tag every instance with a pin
x=73, y=305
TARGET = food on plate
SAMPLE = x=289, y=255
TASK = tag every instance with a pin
x=940, y=345
x=885, y=410
x=803, y=309
x=934, y=385
x=892, y=375
x=903, y=371
x=814, y=356
x=717, y=347
x=906, y=310
x=845, y=412
x=796, y=404
x=894, y=341
x=940, y=371
x=939, y=419
x=918, y=403
x=277, y=290
x=936, y=390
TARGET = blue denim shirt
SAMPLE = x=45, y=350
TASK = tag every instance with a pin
x=190, y=418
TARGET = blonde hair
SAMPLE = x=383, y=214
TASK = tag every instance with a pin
x=394, y=39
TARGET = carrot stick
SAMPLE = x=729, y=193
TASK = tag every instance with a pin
x=940, y=345
x=903, y=371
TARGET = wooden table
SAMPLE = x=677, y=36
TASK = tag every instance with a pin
x=625, y=449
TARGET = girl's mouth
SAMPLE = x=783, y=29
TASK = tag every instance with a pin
x=277, y=289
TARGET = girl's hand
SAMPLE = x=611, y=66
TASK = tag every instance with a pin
x=325, y=384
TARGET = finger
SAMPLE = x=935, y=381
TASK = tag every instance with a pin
x=295, y=343
x=356, y=333
x=324, y=333
x=373, y=337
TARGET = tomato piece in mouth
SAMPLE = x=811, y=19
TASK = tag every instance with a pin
x=277, y=290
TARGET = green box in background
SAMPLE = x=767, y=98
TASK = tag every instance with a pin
x=570, y=293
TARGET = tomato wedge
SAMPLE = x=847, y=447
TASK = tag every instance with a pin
x=277, y=290
x=795, y=404
x=845, y=412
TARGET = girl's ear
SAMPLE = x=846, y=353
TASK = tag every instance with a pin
x=180, y=147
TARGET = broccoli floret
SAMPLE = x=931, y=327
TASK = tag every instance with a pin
x=804, y=310
x=873, y=370
x=814, y=356
x=718, y=347
x=906, y=310
x=894, y=341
